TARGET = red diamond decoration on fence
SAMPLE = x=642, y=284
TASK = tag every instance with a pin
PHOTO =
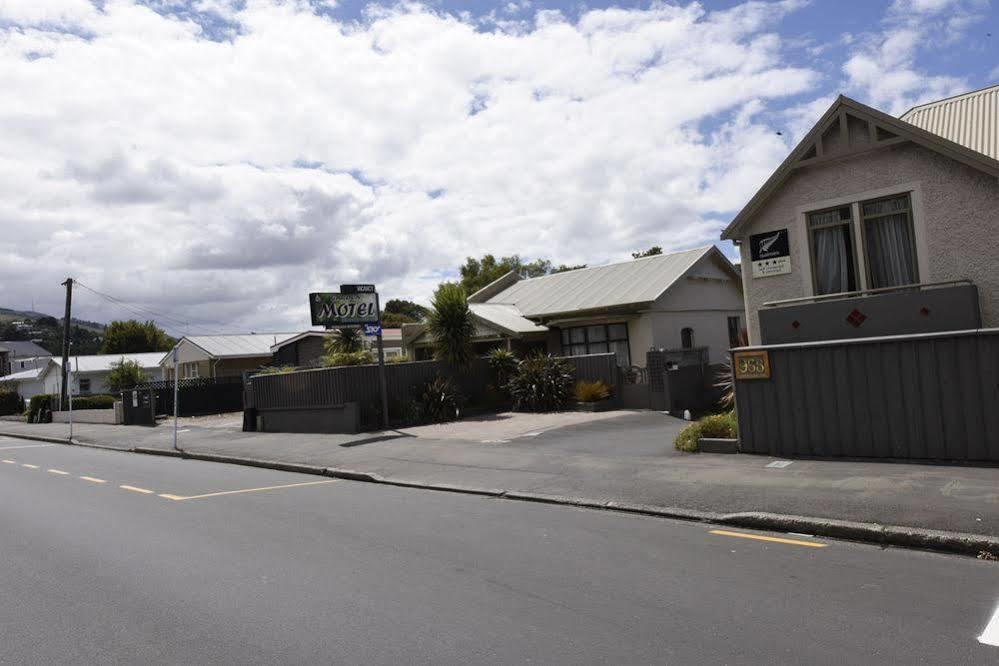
x=795, y=324
x=925, y=311
x=856, y=318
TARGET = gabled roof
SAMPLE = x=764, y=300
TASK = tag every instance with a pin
x=296, y=338
x=103, y=362
x=830, y=139
x=247, y=345
x=630, y=283
x=506, y=318
x=970, y=119
x=19, y=348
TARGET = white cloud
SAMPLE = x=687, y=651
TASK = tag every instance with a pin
x=225, y=179
x=882, y=67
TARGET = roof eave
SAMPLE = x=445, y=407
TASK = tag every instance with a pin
x=917, y=134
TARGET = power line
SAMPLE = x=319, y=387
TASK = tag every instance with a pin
x=167, y=320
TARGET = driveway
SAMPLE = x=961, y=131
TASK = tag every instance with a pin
x=506, y=426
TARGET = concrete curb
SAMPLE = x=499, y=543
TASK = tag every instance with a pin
x=883, y=535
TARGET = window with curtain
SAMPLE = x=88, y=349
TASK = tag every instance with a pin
x=598, y=339
x=831, y=239
x=890, y=242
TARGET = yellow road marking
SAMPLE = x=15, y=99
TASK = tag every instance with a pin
x=29, y=466
x=137, y=490
x=10, y=462
x=247, y=490
x=58, y=471
x=92, y=479
x=760, y=537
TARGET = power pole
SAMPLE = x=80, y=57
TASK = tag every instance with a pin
x=63, y=393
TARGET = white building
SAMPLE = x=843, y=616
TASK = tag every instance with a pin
x=89, y=373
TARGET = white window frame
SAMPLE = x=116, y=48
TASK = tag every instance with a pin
x=803, y=241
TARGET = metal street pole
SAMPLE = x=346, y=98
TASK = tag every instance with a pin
x=381, y=378
x=176, y=392
x=64, y=370
x=70, y=400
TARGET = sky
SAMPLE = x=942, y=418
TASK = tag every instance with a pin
x=214, y=161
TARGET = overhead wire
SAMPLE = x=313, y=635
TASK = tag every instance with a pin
x=170, y=321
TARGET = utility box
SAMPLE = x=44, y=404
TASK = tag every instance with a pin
x=139, y=407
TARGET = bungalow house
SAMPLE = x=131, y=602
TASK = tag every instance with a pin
x=221, y=355
x=18, y=355
x=89, y=373
x=306, y=349
x=876, y=225
x=685, y=300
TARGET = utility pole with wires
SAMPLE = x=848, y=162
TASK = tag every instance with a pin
x=63, y=394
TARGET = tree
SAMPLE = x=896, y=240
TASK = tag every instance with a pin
x=562, y=268
x=125, y=375
x=398, y=312
x=131, y=337
x=450, y=325
x=477, y=273
x=407, y=308
x=651, y=252
x=344, y=341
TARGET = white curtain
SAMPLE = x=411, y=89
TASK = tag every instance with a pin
x=833, y=264
x=890, y=244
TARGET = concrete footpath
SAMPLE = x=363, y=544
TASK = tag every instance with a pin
x=625, y=462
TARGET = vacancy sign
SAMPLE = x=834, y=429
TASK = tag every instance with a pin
x=771, y=253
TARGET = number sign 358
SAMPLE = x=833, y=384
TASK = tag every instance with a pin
x=752, y=365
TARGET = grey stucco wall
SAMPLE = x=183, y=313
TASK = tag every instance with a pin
x=956, y=215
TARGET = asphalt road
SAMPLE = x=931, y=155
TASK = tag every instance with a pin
x=120, y=558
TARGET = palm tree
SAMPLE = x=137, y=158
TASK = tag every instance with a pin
x=451, y=326
x=344, y=341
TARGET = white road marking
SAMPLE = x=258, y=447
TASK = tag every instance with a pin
x=247, y=490
x=58, y=471
x=184, y=430
x=10, y=462
x=29, y=466
x=780, y=464
x=25, y=446
x=137, y=490
x=991, y=634
x=532, y=434
x=495, y=441
x=92, y=479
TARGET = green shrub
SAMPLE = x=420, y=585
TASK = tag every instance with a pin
x=339, y=359
x=389, y=360
x=542, y=383
x=10, y=403
x=503, y=364
x=39, y=405
x=724, y=426
x=93, y=401
x=591, y=391
x=125, y=375
x=439, y=401
x=276, y=370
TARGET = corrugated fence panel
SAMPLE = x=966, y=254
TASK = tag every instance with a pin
x=923, y=397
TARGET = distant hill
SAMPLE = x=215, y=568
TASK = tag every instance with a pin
x=8, y=315
x=47, y=331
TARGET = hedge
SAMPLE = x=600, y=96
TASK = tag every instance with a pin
x=10, y=403
x=45, y=401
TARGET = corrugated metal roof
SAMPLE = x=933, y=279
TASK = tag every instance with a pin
x=632, y=282
x=506, y=317
x=228, y=346
x=23, y=376
x=23, y=348
x=971, y=119
x=103, y=362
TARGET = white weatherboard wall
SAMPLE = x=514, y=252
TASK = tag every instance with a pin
x=703, y=301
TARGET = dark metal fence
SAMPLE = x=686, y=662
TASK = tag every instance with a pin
x=199, y=395
x=333, y=387
x=929, y=396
